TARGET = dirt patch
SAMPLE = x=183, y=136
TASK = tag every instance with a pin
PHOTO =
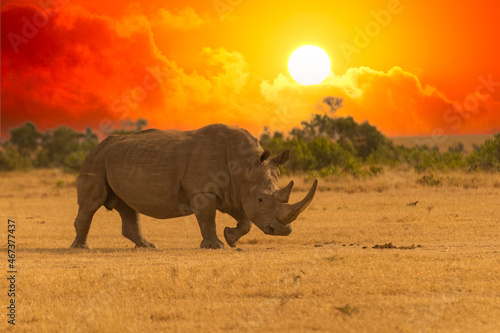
x=390, y=246
x=347, y=309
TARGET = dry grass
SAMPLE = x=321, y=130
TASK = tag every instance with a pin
x=325, y=276
x=399, y=179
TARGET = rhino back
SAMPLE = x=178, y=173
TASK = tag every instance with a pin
x=156, y=172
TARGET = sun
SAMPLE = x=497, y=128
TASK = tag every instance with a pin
x=309, y=64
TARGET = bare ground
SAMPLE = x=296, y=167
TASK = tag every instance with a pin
x=441, y=274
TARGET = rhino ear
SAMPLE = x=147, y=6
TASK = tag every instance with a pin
x=282, y=158
x=264, y=156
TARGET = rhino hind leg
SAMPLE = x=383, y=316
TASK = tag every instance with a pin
x=92, y=192
x=82, y=226
x=232, y=235
x=131, y=225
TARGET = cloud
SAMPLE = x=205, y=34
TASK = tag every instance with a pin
x=185, y=19
x=220, y=92
x=74, y=67
x=81, y=69
x=71, y=65
x=84, y=70
x=395, y=101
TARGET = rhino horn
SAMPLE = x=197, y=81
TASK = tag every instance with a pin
x=290, y=212
x=284, y=194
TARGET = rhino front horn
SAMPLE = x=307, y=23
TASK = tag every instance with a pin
x=291, y=211
x=283, y=195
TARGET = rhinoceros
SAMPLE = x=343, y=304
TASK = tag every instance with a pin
x=168, y=174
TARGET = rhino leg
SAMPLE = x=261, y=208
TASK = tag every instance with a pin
x=92, y=193
x=82, y=227
x=232, y=235
x=205, y=214
x=131, y=225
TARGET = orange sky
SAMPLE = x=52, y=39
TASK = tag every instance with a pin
x=408, y=67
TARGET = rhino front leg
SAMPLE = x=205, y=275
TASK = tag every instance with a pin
x=232, y=235
x=204, y=207
x=131, y=225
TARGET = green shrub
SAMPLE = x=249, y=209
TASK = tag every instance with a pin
x=326, y=146
x=11, y=159
x=485, y=157
x=429, y=180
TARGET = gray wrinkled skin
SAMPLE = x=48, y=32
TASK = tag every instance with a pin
x=167, y=174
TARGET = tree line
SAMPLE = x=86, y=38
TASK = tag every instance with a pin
x=323, y=146
x=62, y=147
x=332, y=145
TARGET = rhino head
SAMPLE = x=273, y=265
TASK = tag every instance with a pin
x=264, y=203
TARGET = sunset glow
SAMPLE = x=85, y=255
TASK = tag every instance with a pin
x=407, y=67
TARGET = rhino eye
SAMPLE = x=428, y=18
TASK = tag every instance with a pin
x=261, y=200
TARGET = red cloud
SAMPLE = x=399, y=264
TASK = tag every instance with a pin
x=82, y=69
x=68, y=67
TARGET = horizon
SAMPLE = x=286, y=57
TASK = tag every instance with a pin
x=187, y=64
x=429, y=140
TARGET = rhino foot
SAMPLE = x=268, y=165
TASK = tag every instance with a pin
x=145, y=243
x=230, y=237
x=76, y=245
x=211, y=244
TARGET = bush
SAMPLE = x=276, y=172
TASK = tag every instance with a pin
x=62, y=147
x=11, y=159
x=429, y=180
x=327, y=146
x=65, y=148
x=486, y=157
